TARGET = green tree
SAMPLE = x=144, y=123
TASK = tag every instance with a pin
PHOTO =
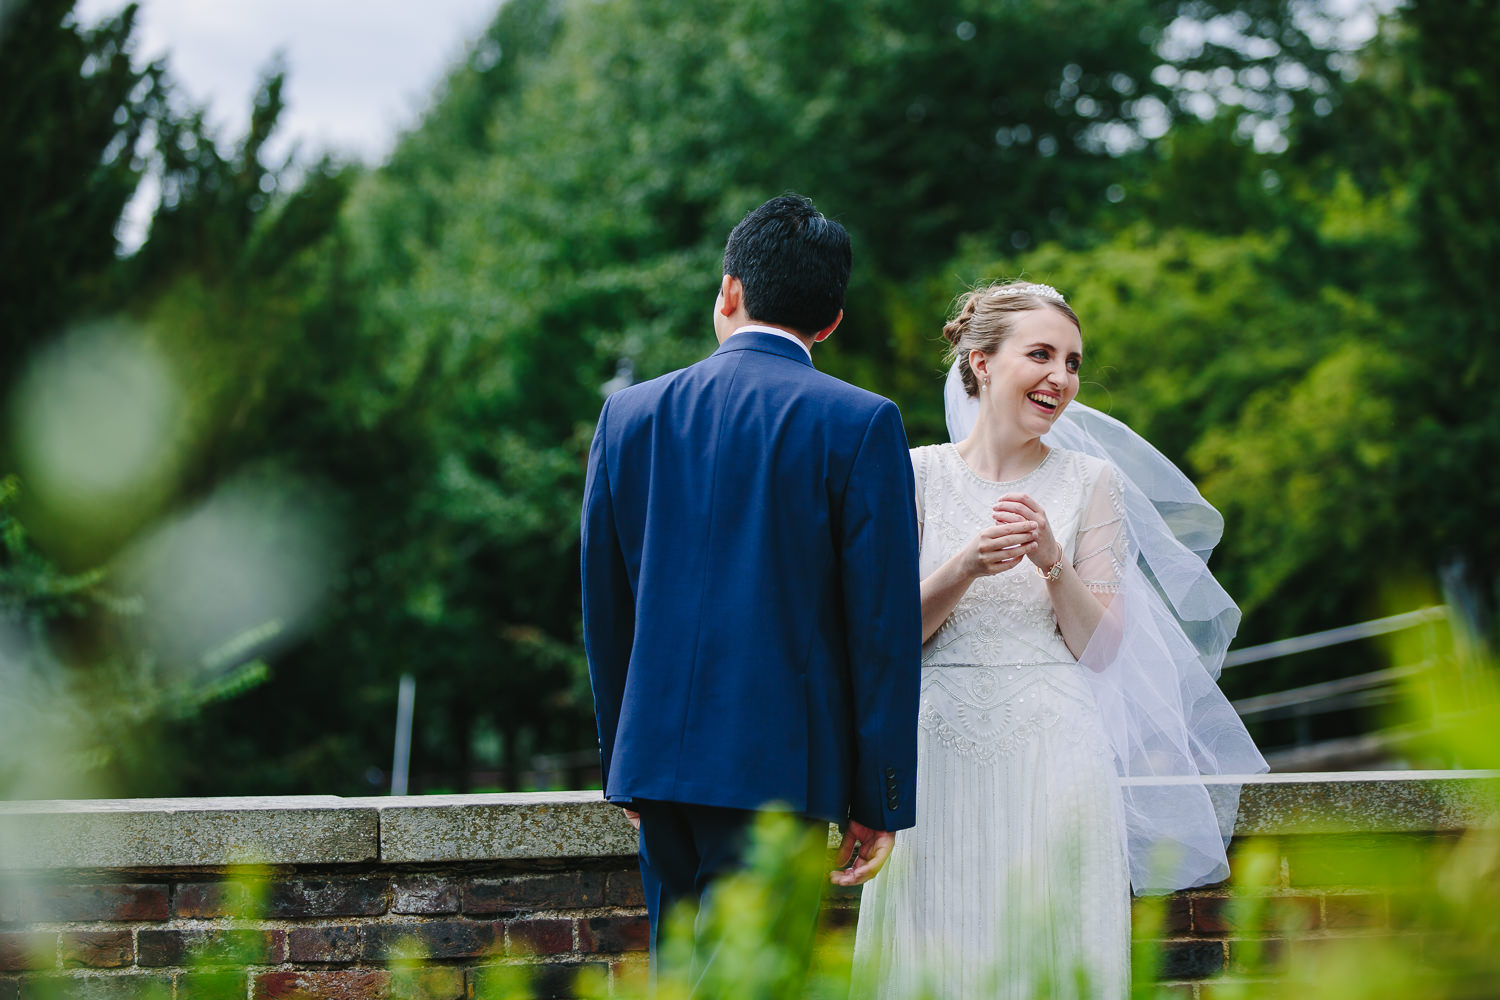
x=75, y=114
x=1391, y=219
x=219, y=290
x=1446, y=117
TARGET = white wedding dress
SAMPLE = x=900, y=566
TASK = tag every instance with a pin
x=1014, y=882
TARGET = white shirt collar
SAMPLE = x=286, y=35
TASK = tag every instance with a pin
x=754, y=328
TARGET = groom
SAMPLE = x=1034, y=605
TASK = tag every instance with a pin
x=750, y=591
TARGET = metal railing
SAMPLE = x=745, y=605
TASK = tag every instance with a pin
x=1344, y=694
x=1335, y=636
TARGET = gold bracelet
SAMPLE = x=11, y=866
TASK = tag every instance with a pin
x=1051, y=575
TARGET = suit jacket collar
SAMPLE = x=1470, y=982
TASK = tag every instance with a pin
x=769, y=343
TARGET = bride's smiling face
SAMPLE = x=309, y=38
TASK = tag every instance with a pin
x=1033, y=375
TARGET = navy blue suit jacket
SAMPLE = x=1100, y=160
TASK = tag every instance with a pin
x=750, y=594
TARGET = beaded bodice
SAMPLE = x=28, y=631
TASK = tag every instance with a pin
x=1007, y=619
x=997, y=673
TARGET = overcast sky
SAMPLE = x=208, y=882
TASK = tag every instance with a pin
x=357, y=70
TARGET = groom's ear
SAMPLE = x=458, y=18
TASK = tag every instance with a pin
x=731, y=294
x=822, y=334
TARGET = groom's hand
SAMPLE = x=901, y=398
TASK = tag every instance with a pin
x=874, y=847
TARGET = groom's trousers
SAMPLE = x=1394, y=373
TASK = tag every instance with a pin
x=686, y=849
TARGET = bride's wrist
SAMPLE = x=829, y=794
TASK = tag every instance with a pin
x=1050, y=568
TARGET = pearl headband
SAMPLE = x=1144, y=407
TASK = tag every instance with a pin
x=1027, y=288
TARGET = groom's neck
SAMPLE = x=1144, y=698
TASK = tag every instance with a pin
x=809, y=341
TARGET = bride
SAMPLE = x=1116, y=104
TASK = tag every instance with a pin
x=1072, y=633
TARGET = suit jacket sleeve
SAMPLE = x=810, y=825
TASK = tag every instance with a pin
x=608, y=600
x=883, y=624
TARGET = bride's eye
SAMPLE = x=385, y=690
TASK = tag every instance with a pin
x=1074, y=364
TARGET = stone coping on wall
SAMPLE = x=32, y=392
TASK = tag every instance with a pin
x=330, y=830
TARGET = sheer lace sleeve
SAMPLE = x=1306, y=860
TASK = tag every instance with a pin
x=919, y=472
x=1101, y=547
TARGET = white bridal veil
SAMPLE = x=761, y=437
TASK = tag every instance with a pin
x=1154, y=660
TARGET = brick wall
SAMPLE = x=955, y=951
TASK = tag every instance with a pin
x=1317, y=893
x=306, y=931
x=454, y=897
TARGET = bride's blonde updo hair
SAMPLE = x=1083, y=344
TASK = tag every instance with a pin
x=986, y=316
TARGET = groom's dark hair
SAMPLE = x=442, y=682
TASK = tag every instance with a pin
x=793, y=263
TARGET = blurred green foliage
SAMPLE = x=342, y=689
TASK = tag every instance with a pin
x=86, y=700
x=419, y=347
x=756, y=936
